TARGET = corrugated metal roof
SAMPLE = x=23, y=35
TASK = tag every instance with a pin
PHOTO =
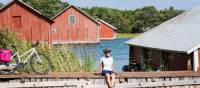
x=181, y=33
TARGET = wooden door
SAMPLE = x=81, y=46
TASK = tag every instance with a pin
x=17, y=22
x=17, y=25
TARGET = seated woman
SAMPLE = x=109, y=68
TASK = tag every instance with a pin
x=108, y=68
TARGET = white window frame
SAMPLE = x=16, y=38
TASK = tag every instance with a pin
x=69, y=21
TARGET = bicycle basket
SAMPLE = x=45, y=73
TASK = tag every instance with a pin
x=5, y=55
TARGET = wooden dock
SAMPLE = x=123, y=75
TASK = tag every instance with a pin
x=178, y=79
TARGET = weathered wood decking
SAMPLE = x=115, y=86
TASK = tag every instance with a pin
x=178, y=79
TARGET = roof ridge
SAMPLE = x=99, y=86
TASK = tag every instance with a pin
x=173, y=32
x=76, y=9
x=98, y=19
x=61, y=12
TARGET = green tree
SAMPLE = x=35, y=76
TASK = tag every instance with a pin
x=47, y=7
x=133, y=21
x=168, y=13
x=127, y=21
x=113, y=16
x=1, y=5
x=144, y=18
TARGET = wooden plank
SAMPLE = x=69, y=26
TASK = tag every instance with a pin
x=158, y=84
x=43, y=84
x=173, y=84
x=119, y=75
x=80, y=83
x=62, y=80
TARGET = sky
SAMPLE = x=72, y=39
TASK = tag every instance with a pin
x=132, y=4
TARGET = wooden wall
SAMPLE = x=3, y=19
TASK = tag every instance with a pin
x=172, y=61
x=89, y=80
x=84, y=30
x=27, y=23
x=106, y=32
x=156, y=57
x=199, y=60
x=177, y=61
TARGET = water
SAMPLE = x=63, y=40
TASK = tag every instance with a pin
x=120, y=51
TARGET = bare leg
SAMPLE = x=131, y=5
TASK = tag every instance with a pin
x=108, y=80
x=113, y=79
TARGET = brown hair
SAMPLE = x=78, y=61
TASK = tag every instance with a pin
x=106, y=50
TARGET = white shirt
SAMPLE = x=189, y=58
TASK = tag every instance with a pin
x=107, y=63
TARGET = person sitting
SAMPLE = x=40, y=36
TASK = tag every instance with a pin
x=108, y=68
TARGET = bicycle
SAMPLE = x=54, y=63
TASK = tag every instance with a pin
x=39, y=63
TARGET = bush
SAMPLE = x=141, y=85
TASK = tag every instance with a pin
x=63, y=60
x=88, y=62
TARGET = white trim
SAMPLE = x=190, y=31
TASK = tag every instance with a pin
x=107, y=24
x=69, y=19
x=61, y=12
x=107, y=38
x=193, y=49
x=196, y=61
x=115, y=35
x=76, y=42
x=98, y=32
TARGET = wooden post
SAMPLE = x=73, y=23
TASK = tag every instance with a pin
x=196, y=61
x=50, y=36
x=98, y=32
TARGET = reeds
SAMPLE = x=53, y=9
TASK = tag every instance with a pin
x=62, y=59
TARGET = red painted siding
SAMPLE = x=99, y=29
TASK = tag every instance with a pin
x=138, y=54
x=106, y=32
x=28, y=24
x=174, y=61
x=156, y=57
x=177, y=61
x=199, y=60
x=84, y=30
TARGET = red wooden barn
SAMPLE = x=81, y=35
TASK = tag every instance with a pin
x=107, y=31
x=74, y=26
x=26, y=21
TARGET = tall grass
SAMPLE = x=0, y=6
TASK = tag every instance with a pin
x=63, y=60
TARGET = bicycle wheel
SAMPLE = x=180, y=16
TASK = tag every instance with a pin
x=42, y=67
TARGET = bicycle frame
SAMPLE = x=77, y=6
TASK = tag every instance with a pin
x=31, y=52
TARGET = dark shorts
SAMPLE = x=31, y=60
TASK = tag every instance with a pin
x=104, y=72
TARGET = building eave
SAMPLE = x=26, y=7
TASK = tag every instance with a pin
x=109, y=25
x=165, y=50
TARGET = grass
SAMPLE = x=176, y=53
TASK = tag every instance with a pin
x=127, y=35
x=63, y=60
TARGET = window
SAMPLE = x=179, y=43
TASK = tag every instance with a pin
x=71, y=19
x=17, y=21
x=54, y=30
